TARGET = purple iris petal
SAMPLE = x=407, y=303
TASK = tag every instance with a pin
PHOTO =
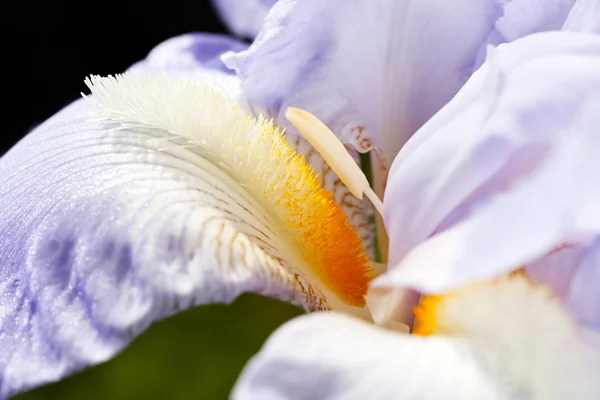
x=574, y=276
x=244, y=17
x=525, y=17
x=506, y=173
x=376, y=69
x=71, y=283
x=332, y=356
x=187, y=53
x=103, y=232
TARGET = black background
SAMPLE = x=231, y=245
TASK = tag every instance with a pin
x=48, y=47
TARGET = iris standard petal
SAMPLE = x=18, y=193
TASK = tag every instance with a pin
x=190, y=53
x=373, y=71
x=107, y=225
x=243, y=17
x=330, y=356
x=103, y=234
x=505, y=172
x=524, y=17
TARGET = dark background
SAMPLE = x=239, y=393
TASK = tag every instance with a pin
x=49, y=46
x=47, y=49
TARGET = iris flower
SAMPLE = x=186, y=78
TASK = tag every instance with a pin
x=170, y=186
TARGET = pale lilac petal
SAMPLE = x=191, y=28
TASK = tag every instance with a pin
x=189, y=53
x=105, y=230
x=329, y=356
x=574, y=275
x=584, y=17
x=243, y=17
x=524, y=17
x=505, y=173
x=370, y=69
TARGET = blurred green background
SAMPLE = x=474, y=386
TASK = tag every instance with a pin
x=196, y=354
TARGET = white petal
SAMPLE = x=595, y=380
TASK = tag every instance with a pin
x=505, y=172
x=517, y=328
x=330, y=356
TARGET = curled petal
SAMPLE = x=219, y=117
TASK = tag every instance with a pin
x=329, y=356
x=189, y=53
x=103, y=234
x=243, y=17
x=505, y=173
x=366, y=68
x=524, y=17
x=112, y=220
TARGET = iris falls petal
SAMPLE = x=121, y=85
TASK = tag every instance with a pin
x=496, y=339
x=373, y=71
x=140, y=201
